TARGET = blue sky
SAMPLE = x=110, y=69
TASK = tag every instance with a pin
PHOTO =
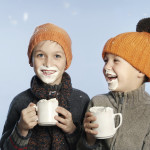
x=90, y=23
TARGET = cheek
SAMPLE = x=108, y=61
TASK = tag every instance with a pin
x=35, y=68
x=103, y=70
x=36, y=65
x=118, y=69
x=63, y=65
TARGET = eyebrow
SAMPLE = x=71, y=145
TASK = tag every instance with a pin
x=38, y=50
x=59, y=51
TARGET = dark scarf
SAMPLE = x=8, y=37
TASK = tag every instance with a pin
x=52, y=137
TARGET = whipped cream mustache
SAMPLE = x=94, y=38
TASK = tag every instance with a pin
x=48, y=74
x=113, y=82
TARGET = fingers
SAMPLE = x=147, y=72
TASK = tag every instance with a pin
x=88, y=123
x=66, y=115
x=89, y=117
x=60, y=125
x=89, y=128
x=28, y=112
x=88, y=114
x=28, y=117
x=63, y=112
x=60, y=119
x=65, y=121
x=34, y=118
x=31, y=104
x=29, y=109
x=90, y=131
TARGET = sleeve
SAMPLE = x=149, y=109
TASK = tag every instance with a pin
x=11, y=138
x=146, y=143
x=79, y=106
x=73, y=138
x=15, y=141
x=83, y=145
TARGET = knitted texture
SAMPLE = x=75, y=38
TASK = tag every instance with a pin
x=134, y=47
x=54, y=33
x=50, y=137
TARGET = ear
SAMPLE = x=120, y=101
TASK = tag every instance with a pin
x=31, y=61
x=31, y=64
x=140, y=74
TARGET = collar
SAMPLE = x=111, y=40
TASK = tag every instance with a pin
x=133, y=97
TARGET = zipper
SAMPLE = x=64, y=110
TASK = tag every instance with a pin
x=120, y=110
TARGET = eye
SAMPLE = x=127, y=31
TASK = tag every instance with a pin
x=40, y=55
x=116, y=60
x=58, y=56
x=105, y=60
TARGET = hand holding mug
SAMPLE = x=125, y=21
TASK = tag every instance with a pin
x=89, y=126
x=65, y=121
x=88, y=123
x=28, y=119
x=106, y=120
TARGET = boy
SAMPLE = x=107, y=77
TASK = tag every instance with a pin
x=126, y=69
x=49, y=53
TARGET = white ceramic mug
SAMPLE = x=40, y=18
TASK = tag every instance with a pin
x=46, y=111
x=106, y=121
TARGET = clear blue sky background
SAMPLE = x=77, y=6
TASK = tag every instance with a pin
x=90, y=23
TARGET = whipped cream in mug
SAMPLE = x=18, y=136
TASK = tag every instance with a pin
x=46, y=111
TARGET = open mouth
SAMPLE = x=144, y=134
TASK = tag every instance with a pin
x=110, y=77
x=48, y=72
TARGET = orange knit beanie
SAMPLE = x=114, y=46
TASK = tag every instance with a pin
x=54, y=33
x=134, y=47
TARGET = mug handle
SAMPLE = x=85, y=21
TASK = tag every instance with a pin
x=120, y=115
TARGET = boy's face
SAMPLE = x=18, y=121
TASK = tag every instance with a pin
x=120, y=75
x=49, y=62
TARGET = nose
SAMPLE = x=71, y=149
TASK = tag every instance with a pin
x=108, y=66
x=48, y=62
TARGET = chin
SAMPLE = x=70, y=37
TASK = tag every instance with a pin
x=47, y=80
x=113, y=88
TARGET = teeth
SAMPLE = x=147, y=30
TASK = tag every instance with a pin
x=111, y=76
x=48, y=71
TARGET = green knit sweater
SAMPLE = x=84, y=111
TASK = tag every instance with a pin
x=134, y=134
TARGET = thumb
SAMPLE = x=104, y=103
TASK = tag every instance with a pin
x=31, y=104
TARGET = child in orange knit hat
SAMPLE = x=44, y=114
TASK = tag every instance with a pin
x=50, y=55
x=126, y=69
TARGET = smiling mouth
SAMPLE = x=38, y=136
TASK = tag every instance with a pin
x=110, y=77
x=48, y=72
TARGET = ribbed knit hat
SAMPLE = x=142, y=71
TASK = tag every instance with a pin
x=53, y=33
x=134, y=47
